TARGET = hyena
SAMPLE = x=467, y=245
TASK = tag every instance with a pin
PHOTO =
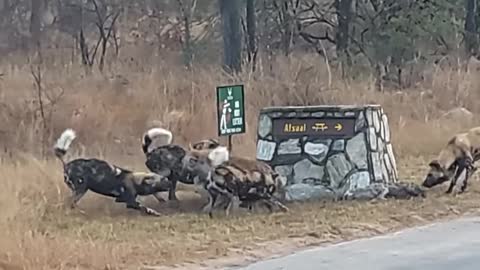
x=460, y=153
x=101, y=177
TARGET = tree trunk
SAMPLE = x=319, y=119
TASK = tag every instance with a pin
x=251, y=31
x=35, y=22
x=287, y=34
x=471, y=39
x=187, y=45
x=232, y=37
x=344, y=15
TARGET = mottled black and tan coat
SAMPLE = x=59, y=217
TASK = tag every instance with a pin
x=101, y=177
x=171, y=160
x=242, y=179
x=460, y=153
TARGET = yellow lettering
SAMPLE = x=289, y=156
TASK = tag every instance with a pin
x=294, y=128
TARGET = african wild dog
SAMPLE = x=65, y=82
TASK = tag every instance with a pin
x=101, y=177
x=247, y=180
x=171, y=160
x=460, y=153
x=256, y=165
x=155, y=137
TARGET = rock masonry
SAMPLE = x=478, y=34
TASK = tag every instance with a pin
x=319, y=167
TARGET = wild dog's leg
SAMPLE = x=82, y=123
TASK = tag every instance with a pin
x=279, y=204
x=462, y=164
x=212, y=198
x=453, y=181
x=172, y=177
x=172, y=192
x=77, y=194
x=465, y=179
x=231, y=200
x=271, y=201
x=78, y=188
x=132, y=203
x=225, y=194
x=470, y=170
x=267, y=204
x=214, y=191
x=205, y=206
x=158, y=197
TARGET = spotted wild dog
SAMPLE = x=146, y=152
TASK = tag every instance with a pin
x=240, y=179
x=170, y=160
x=460, y=153
x=155, y=137
x=101, y=177
x=261, y=166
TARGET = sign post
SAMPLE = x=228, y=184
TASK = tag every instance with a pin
x=230, y=111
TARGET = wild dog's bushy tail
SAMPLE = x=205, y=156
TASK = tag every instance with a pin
x=219, y=155
x=63, y=143
x=159, y=135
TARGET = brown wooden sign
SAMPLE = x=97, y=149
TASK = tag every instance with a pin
x=326, y=127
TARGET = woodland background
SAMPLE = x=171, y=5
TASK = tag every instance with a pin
x=110, y=69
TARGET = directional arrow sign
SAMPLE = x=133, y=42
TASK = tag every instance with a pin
x=313, y=127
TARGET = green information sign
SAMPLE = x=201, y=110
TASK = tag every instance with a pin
x=230, y=110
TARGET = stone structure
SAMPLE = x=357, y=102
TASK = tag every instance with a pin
x=327, y=151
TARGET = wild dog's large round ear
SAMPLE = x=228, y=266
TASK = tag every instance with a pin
x=148, y=179
x=214, y=143
x=219, y=155
x=435, y=164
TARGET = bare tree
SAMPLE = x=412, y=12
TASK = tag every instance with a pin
x=471, y=37
x=232, y=35
x=251, y=33
x=344, y=15
x=45, y=98
x=105, y=24
x=35, y=20
x=187, y=12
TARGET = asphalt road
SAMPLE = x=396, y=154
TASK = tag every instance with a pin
x=453, y=245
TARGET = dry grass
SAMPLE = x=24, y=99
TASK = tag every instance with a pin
x=110, y=115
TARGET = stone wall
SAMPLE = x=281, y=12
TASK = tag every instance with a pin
x=328, y=166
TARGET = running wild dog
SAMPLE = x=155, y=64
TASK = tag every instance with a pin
x=245, y=165
x=101, y=177
x=460, y=153
x=240, y=179
x=171, y=160
x=156, y=137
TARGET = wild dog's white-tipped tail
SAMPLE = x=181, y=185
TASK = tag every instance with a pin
x=64, y=142
x=219, y=155
x=160, y=136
